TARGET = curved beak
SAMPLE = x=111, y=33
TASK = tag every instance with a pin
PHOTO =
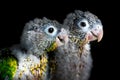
x=62, y=37
x=95, y=34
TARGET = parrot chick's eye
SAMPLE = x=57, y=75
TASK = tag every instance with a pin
x=51, y=30
x=83, y=23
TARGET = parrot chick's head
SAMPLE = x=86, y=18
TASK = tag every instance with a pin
x=84, y=26
x=42, y=35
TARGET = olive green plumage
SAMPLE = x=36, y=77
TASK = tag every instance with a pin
x=8, y=64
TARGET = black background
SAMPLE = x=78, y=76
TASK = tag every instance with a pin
x=14, y=15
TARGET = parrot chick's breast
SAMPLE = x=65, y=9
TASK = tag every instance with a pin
x=70, y=64
x=31, y=67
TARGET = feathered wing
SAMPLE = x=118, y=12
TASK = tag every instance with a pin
x=8, y=64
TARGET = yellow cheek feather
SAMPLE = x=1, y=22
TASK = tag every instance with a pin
x=52, y=47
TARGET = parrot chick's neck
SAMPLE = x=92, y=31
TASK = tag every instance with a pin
x=80, y=43
x=52, y=47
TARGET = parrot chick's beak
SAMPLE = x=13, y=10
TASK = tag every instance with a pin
x=95, y=34
x=62, y=37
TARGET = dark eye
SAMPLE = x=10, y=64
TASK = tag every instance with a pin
x=51, y=30
x=83, y=24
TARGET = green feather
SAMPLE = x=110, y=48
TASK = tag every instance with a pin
x=8, y=65
x=52, y=47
